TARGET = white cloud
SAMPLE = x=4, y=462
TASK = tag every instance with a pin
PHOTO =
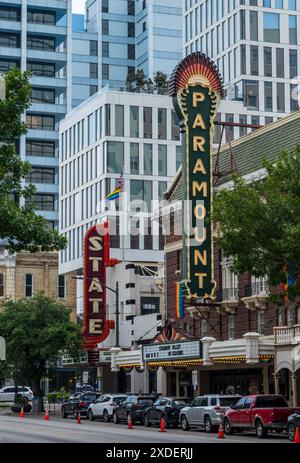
x=78, y=6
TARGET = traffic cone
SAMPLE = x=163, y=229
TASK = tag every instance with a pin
x=22, y=413
x=78, y=421
x=46, y=417
x=221, y=434
x=162, y=425
x=297, y=436
x=129, y=421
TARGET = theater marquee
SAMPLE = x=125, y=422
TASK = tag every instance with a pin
x=196, y=88
x=96, y=258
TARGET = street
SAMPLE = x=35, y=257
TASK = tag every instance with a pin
x=35, y=429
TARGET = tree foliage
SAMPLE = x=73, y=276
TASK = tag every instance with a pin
x=19, y=223
x=36, y=331
x=260, y=222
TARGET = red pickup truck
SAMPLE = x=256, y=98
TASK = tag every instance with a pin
x=259, y=412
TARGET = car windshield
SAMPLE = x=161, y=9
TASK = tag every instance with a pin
x=228, y=401
x=270, y=402
x=179, y=403
x=145, y=401
x=88, y=398
x=118, y=400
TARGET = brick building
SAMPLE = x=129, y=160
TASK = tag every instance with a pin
x=239, y=350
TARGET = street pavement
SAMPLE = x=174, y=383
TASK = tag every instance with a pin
x=34, y=429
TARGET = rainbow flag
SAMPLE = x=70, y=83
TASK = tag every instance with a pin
x=180, y=312
x=117, y=191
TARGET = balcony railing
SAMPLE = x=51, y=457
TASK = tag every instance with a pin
x=228, y=294
x=287, y=334
x=257, y=288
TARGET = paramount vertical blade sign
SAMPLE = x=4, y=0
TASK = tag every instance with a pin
x=196, y=88
x=96, y=256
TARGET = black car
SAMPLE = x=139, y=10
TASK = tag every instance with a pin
x=293, y=422
x=133, y=406
x=167, y=408
x=78, y=403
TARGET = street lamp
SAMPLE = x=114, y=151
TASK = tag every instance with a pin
x=116, y=292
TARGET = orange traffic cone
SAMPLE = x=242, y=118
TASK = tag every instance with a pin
x=46, y=417
x=297, y=436
x=221, y=434
x=22, y=413
x=162, y=425
x=78, y=421
x=129, y=421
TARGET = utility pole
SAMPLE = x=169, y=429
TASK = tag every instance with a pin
x=117, y=316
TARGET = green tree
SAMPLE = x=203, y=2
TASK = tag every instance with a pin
x=129, y=82
x=37, y=330
x=161, y=83
x=140, y=80
x=19, y=224
x=259, y=223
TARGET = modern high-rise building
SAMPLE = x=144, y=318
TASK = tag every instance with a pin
x=256, y=47
x=135, y=34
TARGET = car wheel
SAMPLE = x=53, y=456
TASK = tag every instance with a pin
x=146, y=421
x=207, y=425
x=291, y=431
x=63, y=413
x=115, y=418
x=91, y=415
x=261, y=431
x=227, y=428
x=184, y=423
x=106, y=417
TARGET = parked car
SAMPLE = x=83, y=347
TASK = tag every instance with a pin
x=206, y=411
x=7, y=393
x=104, y=406
x=293, y=422
x=135, y=406
x=85, y=388
x=261, y=412
x=77, y=404
x=167, y=408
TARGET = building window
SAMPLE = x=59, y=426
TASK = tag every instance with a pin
x=105, y=6
x=292, y=4
x=203, y=327
x=93, y=70
x=280, y=62
x=141, y=192
x=9, y=40
x=148, y=159
x=42, y=202
x=40, y=148
x=61, y=287
x=293, y=63
x=41, y=43
x=134, y=121
x=1, y=285
x=253, y=26
x=147, y=122
x=254, y=60
x=42, y=95
x=41, y=17
x=251, y=98
x=28, y=285
x=280, y=97
x=131, y=51
x=229, y=118
x=268, y=61
x=93, y=89
x=261, y=322
x=293, y=30
x=107, y=120
x=131, y=8
x=6, y=65
x=243, y=122
x=162, y=160
x=149, y=305
x=230, y=325
x=162, y=188
x=41, y=69
x=271, y=27
x=144, y=26
x=268, y=96
x=162, y=124
x=115, y=157
x=130, y=29
x=93, y=48
x=134, y=158
x=229, y=282
x=105, y=71
x=10, y=14
x=40, y=122
x=175, y=131
x=178, y=157
x=119, y=121
x=290, y=317
x=105, y=27
x=41, y=175
x=279, y=4
x=105, y=49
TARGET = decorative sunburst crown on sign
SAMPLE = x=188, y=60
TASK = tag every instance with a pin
x=196, y=67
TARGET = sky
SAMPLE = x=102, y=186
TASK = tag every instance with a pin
x=78, y=6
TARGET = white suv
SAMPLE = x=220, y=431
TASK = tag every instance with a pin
x=7, y=394
x=104, y=406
